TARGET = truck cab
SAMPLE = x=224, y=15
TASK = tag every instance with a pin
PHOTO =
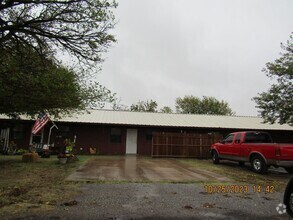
x=256, y=148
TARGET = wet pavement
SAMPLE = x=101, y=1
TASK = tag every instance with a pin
x=133, y=168
x=128, y=201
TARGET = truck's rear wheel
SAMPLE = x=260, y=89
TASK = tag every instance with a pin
x=215, y=157
x=258, y=164
x=289, y=169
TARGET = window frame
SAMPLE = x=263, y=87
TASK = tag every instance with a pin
x=230, y=135
x=18, y=132
x=116, y=135
x=253, y=137
x=63, y=131
x=149, y=135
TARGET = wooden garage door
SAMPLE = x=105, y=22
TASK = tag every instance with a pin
x=183, y=145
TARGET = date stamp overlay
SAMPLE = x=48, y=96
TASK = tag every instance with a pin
x=241, y=189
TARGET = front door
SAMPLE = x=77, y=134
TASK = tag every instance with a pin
x=131, y=141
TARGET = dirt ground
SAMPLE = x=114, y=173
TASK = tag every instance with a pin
x=142, y=169
x=119, y=187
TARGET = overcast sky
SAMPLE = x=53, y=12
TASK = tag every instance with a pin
x=169, y=48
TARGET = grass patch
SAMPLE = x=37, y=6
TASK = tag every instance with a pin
x=242, y=175
x=30, y=187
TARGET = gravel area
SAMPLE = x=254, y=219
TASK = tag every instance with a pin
x=165, y=201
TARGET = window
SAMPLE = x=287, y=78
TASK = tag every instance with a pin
x=229, y=139
x=257, y=137
x=149, y=135
x=238, y=138
x=18, y=132
x=63, y=131
x=115, y=136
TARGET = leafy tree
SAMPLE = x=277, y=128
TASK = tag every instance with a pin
x=144, y=106
x=206, y=105
x=188, y=104
x=79, y=27
x=277, y=103
x=30, y=84
x=31, y=32
x=210, y=105
x=166, y=109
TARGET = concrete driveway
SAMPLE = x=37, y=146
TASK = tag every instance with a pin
x=134, y=168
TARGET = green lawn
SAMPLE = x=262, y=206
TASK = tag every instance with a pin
x=29, y=187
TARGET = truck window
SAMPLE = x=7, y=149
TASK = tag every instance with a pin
x=229, y=138
x=257, y=137
x=238, y=138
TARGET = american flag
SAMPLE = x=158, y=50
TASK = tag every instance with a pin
x=40, y=122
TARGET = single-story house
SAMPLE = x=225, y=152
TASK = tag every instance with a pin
x=111, y=132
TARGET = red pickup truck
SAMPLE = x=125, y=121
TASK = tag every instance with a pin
x=254, y=147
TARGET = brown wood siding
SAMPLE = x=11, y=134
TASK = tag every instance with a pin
x=95, y=136
x=144, y=146
x=183, y=144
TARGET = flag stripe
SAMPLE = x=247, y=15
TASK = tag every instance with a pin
x=40, y=123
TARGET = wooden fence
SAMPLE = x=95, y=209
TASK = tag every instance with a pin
x=183, y=144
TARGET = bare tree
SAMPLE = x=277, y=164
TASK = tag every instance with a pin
x=80, y=27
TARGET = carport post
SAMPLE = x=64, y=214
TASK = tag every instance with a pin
x=49, y=136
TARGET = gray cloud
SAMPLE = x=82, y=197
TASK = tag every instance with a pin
x=167, y=49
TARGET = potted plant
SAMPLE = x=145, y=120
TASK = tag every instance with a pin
x=70, y=151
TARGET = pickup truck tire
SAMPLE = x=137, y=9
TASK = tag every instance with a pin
x=258, y=164
x=215, y=157
x=289, y=169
